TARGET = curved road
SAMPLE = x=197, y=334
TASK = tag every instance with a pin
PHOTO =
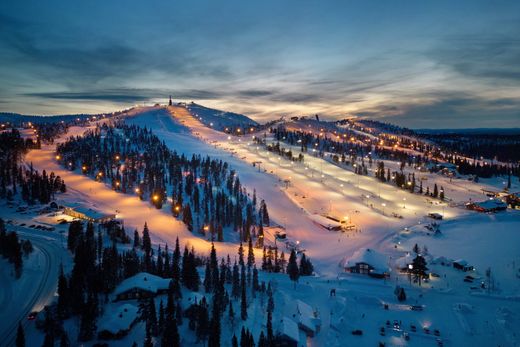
x=37, y=285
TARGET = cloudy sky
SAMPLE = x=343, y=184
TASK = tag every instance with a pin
x=415, y=63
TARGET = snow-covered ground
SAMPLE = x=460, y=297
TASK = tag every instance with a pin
x=463, y=315
x=37, y=285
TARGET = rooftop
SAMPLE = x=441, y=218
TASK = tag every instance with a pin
x=144, y=281
x=368, y=256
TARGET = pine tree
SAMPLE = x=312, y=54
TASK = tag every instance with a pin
x=262, y=342
x=214, y=334
x=176, y=258
x=202, y=322
x=306, y=268
x=243, y=304
x=269, y=328
x=48, y=341
x=63, y=295
x=401, y=295
x=187, y=217
x=147, y=242
x=20, y=336
x=148, y=339
x=250, y=254
x=241, y=254
x=292, y=268
x=170, y=336
x=264, y=214
x=234, y=341
x=137, y=241
x=419, y=268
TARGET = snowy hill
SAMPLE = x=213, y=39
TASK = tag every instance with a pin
x=218, y=119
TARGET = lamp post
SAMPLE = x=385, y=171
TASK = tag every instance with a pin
x=404, y=202
x=383, y=204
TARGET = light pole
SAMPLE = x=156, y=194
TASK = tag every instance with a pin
x=383, y=204
x=404, y=202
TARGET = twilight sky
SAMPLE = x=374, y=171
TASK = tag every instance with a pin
x=415, y=63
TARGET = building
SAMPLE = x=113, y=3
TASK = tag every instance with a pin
x=491, y=205
x=513, y=200
x=367, y=261
x=117, y=321
x=326, y=222
x=141, y=285
x=308, y=320
x=462, y=265
x=86, y=213
x=288, y=334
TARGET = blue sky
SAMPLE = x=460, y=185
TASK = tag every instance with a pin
x=414, y=63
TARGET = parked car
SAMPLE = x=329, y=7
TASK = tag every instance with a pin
x=357, y=332
x=436, y=332
x=32, y=315
x=413, y=328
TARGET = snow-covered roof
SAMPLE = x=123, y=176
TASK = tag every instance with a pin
x=368, y=256
x=461, y=262
x=324, y=221
x=305, y=315
x=117, y=318
x=289, y=328
x=88, y=211
x=491, y=204
x=144, y=281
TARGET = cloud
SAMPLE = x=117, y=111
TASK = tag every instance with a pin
x=492, y=57
x=455, y=111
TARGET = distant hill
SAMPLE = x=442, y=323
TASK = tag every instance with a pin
x=471, y=131
x=16, y=118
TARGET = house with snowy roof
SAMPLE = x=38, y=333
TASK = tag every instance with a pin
x=141, y=285
x=117, y=321
x=491, y=205
x=368, y=262
x=308, y=321
x=288, y=334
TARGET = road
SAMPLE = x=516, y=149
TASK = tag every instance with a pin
x=36, y=287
